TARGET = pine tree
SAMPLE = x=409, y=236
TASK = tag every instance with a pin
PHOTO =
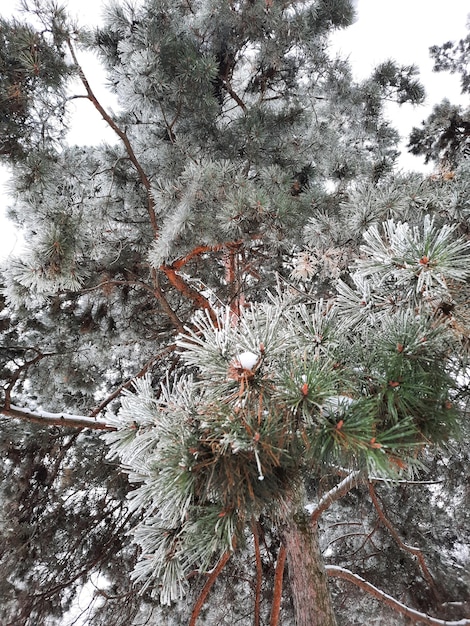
x=444, y=137
x=240, y=290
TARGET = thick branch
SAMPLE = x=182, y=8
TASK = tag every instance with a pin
x=178, y=264
x=415, y=616
x=121, y=134
x=336, y=493
x=54, y=419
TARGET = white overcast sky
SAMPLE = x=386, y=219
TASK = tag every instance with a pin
x=399, y=29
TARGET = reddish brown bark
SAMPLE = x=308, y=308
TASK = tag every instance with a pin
x=189, y=292
x=207, y=587
x=307, y=576
x=179, y=263
x=278, y=580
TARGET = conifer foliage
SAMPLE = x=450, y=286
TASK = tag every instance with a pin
x=241, y=291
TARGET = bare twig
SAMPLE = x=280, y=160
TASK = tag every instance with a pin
x=129, y=382
x=15, y=377
x=259, y=574
x=411, y=550
x=165, y=305
x=235, y=96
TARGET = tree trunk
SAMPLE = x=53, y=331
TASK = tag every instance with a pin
x=307, y=576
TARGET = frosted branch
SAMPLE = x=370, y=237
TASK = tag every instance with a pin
x=121, y=134
x=416, y=616
x=341, y=489
x=54, y=419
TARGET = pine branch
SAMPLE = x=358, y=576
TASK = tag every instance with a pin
x=231, y=247
x=227, y=85
x=54, y=419
x=411, y=550
x=158, y=293
x=415, y=616
x=121, y=134
x=198, y=250
x=155, y=290
x=15, y=377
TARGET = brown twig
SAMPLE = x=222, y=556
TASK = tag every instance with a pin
x=197, y=251
x=165, y=305
x=207, y=587
x=129, y=382
x=235, y=96
x=177, y=281
x=15, y=377
x=411, y=550
x=121, y=134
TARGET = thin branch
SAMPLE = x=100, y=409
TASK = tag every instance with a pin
x=165, y=305
x=15, y=377
x=107, y=548
x=155, y=290
x=178, y=264
x=259, y=574
x=235, y=96
x=403, y=481
x=129, y=382
x=411, y=550
x=207, y=587
x=415, y=616
x=277, y=592
x=335, y=494
x=121, y=134
x=54, y=419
